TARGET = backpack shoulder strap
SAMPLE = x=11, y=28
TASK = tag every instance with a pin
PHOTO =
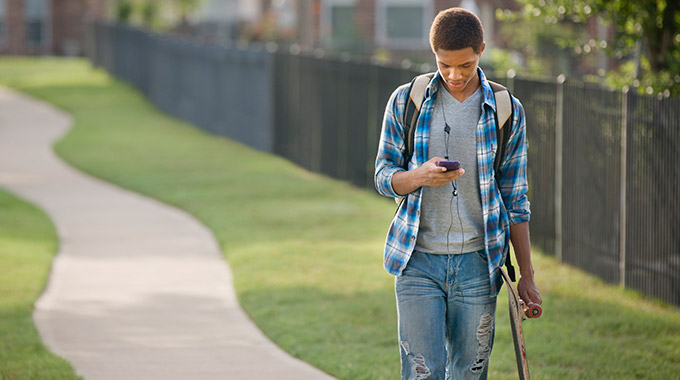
x=503, y=125
x=414, y=101
x=503, y=103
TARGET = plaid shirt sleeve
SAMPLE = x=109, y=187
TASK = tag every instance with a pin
x=402, y=233
x=390, y=157
x=513, y=183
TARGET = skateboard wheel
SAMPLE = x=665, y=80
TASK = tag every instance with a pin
x=534, y=310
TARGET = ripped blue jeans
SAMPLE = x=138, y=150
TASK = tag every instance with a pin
x=446, y=316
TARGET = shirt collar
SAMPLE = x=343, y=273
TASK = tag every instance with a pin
x=487, y=93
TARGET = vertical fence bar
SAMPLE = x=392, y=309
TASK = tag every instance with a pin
x=344, y=66
x=294, y=110
x=622, y=207
x=372, y=116
x=559, y=145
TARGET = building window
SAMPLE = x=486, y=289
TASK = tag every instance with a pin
x=339, y=24
x=36, y=22
x=3, y=22
x=343, y=26
x=403, y=23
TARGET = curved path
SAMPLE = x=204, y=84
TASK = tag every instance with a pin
x=138, y=290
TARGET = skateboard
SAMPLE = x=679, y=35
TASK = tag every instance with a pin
x=519, y=311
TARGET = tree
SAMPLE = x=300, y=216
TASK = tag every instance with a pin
x=124, y=10
x=150, y=10
x=646, y=31
x=186, y=7
x=536, y=48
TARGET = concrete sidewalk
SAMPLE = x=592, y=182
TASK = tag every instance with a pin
x=138, y=290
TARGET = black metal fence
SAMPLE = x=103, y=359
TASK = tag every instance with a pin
x=328, y=113
x=652, y=198
x=539, y=100
x=222, y=90
x=603, y=165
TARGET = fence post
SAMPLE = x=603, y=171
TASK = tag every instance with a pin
x=373, y=115
x=624, y=180
x=559, y=138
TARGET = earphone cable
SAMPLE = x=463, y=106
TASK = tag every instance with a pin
x=447, y=130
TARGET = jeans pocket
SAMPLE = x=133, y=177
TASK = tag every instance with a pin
x=482, y=255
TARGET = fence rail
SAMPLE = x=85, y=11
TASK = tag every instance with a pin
x=603, y=165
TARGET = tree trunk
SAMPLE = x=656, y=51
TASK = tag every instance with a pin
x=660, y=40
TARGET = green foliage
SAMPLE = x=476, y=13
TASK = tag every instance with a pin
x=645, y=31
x=539, y=43
x=124, y=11
x=186, y=8
x=147, y=13
x=150, y=11
x=503, y=62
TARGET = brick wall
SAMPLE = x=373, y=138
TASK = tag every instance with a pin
x=65, y=30
x=14, y=26
x=365, y=19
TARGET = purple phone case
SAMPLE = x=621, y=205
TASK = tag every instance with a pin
x=449, y=165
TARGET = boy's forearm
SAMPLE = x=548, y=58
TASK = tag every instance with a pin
x=405, y=182
x=519, y=236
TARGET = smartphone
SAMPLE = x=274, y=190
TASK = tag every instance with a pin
x=449, y=165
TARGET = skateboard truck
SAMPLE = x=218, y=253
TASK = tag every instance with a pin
x=531, y=310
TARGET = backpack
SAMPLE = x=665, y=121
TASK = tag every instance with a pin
x=503, y=117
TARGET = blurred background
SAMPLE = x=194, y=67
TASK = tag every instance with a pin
x=611, y=42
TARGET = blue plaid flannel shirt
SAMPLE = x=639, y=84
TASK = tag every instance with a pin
x=500, y=209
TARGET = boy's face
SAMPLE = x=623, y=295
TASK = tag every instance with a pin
x=459, y=70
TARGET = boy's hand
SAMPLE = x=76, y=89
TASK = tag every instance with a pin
x=430, y=174
x=528, y=291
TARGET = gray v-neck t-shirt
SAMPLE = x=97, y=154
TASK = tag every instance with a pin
x=453, y=224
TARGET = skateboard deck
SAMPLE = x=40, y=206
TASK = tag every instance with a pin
x=519, y=311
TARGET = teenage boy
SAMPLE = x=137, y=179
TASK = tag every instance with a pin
x=450, y=235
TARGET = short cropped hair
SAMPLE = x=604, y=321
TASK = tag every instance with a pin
x=456, y=29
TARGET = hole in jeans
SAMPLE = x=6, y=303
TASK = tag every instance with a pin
x=484, y=332
x=419, y=370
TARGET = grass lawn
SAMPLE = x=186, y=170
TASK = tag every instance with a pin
x=28, y=243
x=306, y=250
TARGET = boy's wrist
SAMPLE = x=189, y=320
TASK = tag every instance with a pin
x=527, y=273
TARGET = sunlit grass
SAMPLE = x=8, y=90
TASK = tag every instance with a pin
x=28, y=243
x=306, y=250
